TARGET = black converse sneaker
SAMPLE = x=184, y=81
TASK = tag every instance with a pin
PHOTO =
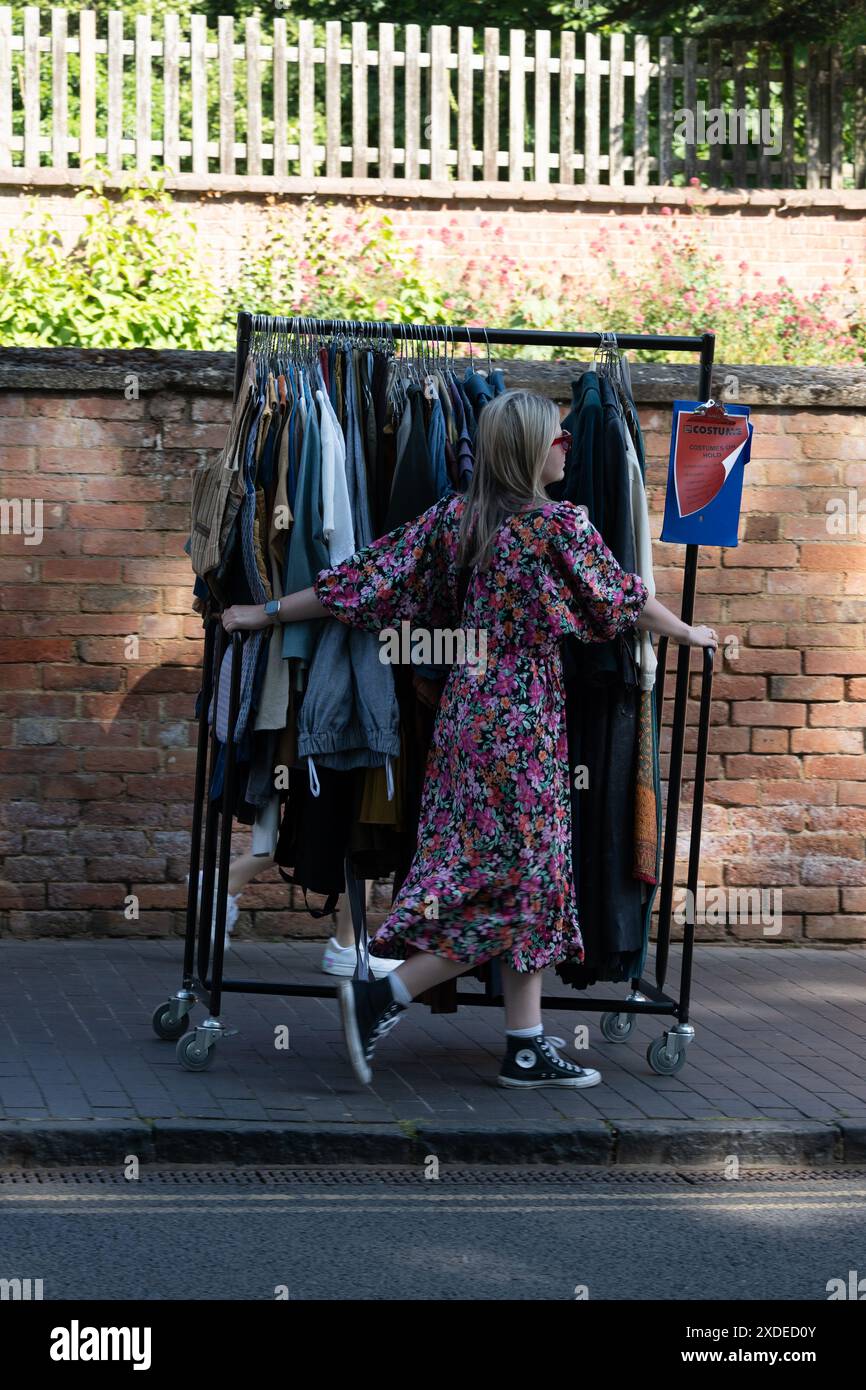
x=533, y=1062
x=369, y=1011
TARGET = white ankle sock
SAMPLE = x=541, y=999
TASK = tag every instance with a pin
x=534, y=1032
x=399, y=990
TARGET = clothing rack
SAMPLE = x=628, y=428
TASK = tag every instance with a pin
x=667, y=1054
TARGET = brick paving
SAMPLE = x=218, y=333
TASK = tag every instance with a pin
x=781, y=1035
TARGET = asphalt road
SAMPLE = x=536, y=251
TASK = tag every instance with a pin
x=470, y=1234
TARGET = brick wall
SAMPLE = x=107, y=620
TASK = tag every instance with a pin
x=100, y=651
x=807, y=236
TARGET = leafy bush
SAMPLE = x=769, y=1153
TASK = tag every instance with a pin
x=131, y=279
x=134, y=278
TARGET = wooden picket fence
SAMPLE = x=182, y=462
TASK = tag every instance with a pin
x=314, y=102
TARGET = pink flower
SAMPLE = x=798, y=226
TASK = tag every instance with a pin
x=666, y=211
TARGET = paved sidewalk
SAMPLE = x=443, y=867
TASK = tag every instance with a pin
x=777, y=1071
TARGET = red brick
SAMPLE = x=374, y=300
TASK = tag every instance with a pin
x=48, y=706
x=104, y=516
x=46, y=759
x=763, y=660
x=799, y=899
x=32, y=649
x=91, y=570
x=734, y=687
x=812, y=583
x=125, y=489
x=757, y=607
x=820, y=634
x=767, y=635
x=834, y=662
x=84, y=786
x=756, y=553
x=769, y=740
x=806, y=688
x=826, y=741
x=28, y=596
x=833, y=446
x=857, y=691
x=80, y=677
x=830, y=557
x=723, y=740
x=761, y=768
x=833, y=870
x=121, y=760
x=773, y=713
x=835, y=928
x=837, y=818
x=21, y=678
x=838, y=767
x=728, y=793
x=124, y=543
x=158, y=572
x=766, y=872
x=836, y=716
x=802, y=793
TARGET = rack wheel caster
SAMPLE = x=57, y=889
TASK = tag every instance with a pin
x=616, y=1027
x=191, y=1055
x=662, y=1063
x=167, y=1028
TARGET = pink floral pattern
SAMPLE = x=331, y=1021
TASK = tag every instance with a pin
x=492, y=873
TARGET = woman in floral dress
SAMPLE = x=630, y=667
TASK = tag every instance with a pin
x=491, y=877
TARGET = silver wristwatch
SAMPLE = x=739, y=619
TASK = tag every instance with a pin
x=272, y=608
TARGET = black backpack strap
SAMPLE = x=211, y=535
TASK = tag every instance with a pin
x=330, y=901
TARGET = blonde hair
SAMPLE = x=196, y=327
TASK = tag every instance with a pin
x=515, y=432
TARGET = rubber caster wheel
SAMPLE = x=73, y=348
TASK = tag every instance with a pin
x=616, y=1027
x=193, y=1060
x=163, y=1026
x=661, y=1063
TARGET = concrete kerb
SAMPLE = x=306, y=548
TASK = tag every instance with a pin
x=633, y=1143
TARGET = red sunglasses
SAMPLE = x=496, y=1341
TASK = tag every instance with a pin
x=564, y=440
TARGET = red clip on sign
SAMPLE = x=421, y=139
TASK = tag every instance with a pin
x=709, y=450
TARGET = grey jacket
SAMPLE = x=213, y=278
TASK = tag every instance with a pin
x=349, y=715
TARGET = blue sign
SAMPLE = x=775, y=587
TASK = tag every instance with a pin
x=710, y=447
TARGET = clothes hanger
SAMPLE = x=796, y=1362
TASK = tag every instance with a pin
x=489, y=363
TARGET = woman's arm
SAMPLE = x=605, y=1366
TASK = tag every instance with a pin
x=246, y=617
x=656, y=618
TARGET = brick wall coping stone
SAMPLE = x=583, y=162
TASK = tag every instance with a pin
x=91, y=370
x=472, y=190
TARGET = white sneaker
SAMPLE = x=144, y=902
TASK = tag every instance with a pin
x=232, y=912
x=341, y=960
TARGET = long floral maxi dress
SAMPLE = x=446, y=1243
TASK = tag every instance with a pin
x=492, y=872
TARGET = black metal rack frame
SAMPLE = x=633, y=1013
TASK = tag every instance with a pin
x=667, y=1054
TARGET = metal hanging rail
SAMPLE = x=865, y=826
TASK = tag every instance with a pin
x=667, y=1054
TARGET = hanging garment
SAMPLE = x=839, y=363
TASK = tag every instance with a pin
x=307, y=551
x=314, y=831
x=494, y=842
x=647, y=804
x=337, y=526
x=603, y=706
x=349, y=717
x=415, y=484
x=643, y=559
x=218, y=488
x=478, y=389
